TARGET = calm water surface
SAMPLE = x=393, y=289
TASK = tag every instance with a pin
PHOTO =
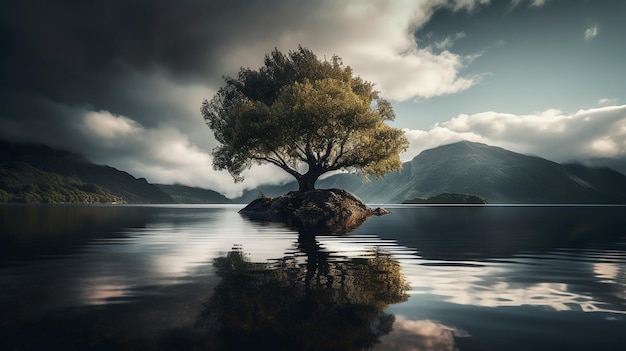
x=204, y=278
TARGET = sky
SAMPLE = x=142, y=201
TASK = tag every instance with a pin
x=122, y=82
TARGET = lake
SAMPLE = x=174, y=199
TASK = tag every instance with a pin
x=201, y=277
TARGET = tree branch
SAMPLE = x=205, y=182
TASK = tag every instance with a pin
x=329, y=149
x=280, y=163
x=340, y=153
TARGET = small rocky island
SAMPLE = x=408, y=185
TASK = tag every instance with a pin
x=449, y=198
x=316, y=211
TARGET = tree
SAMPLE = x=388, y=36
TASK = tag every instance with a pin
x=304, y=115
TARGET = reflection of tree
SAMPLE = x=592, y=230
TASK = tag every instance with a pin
x=327, y=303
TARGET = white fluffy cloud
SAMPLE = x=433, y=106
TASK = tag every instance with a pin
x=598, y=132
x=105, y=125
x=591, y=32
x=162, y=155
x=608, y=101
x=538, y=3
x=532, y=3
x=376, y=38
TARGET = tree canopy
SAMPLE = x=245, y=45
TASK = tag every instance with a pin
x=305, y=115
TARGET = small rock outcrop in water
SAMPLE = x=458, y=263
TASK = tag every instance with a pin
x=448, y=198
x=328, y=210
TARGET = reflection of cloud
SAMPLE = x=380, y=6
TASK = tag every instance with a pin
x=187, y=248
x=612, y=273
x=102, y=290
x=165, y=253
x=486, y=284
x=607, y=272
x=554, y=295
x=420, y=335
x=491, y=286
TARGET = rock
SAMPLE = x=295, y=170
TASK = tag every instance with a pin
x=316, y=211
x=379, y=211
x=449, y=198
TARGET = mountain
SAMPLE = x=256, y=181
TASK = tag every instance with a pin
x=502, y=176
x=39, y=174
x=493, y=173
x=618, y=164
x=22, y=183
x=268, y=190
x=190, y=195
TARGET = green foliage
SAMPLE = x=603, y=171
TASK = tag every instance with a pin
x=298, y=110
x=39, y=174
x=22, y=183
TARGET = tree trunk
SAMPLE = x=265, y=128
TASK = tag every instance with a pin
x=306, y=182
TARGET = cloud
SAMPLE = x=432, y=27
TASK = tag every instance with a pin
x=537, y=3
x=591, y=32
x=449, y=41
x=85, y=53
x=377, y=39
x=468, y=5
x=533, y=3
x=591, y=133
x=162, y=155
x=608, y=101
x=419, y=73
x=107, y=126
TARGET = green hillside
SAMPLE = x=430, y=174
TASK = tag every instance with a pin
x=39, y=174
x=22, y=183
x=190, y=195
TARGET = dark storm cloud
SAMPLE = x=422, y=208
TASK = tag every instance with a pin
x=81, y=52
x=92, y=54
x=126, y=57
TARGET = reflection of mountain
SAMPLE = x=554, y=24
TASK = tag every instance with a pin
x=322, y=304
x=32, y=232
x=459, y=233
